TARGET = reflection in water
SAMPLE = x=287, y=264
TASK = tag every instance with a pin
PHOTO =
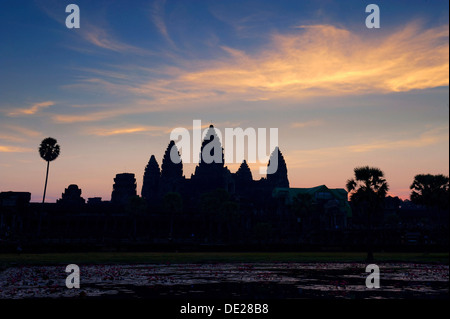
x=233, y=280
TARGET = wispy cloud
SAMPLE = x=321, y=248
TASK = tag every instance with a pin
x=322, y=157
x=14, y=149
x=427, y=138
x=31, y=110
x=314, y=61
x=107, y=73
x=94, y=83
x=11, y=138
x=87, y=117
x=154, y=130
x=99, y=112
x=23, y=130
x=94, y=30
x=17, y=134
x=157, y=16
x=101, y=38
x=308, y=62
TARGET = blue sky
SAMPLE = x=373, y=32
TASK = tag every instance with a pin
x=110, y=92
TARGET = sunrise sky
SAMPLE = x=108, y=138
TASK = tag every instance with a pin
x=340, y=94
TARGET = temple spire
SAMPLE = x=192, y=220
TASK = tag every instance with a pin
x=211, y=150
x=279, y=177
x=172, y=165
x=171, y=171
x=150, y=183
x=244, y=173
x=210, y=172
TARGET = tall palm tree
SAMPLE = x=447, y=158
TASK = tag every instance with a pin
x=49, y=151
x=367, y=190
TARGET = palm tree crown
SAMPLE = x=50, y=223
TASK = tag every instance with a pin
x=48, y=149
x=369, y=185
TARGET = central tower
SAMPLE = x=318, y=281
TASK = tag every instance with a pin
x=210, y=172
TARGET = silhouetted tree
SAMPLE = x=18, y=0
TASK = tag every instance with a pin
x=49, y=151
x=430, y=190
x=368, y=190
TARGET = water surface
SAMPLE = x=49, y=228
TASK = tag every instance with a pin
x=228, y=280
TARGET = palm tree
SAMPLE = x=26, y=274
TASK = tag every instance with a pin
x=368, y=190
x=430, y=190
x=49, y=151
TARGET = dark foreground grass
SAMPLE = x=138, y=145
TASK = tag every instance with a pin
x=8, y=260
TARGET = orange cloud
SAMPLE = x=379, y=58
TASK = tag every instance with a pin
x=130, y=130
x=23, y=130
x=17, y=134
x=13, y=149
x=317, y=60
x=156, y=130
x=91, y=117
x=310, y=61
x=33, y=109
x=11, y=138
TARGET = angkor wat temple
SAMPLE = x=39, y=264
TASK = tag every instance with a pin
x=212, y=207
x=208, y=177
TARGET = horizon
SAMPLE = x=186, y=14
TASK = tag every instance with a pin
x=138, y=190
x=341, y=95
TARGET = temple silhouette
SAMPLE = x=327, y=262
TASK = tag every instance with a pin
x=207, y=177
x=213, y=208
